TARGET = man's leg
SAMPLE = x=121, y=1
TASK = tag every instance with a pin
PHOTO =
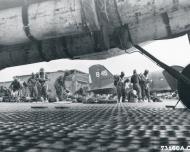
x=17, y=95
x=123, y=95
x=117, y=91
x=118, y=96
x=59, y=94
x=148, y=94
x=143, y=92
x=129, y=96
x=139, y=92
x=39, y=91
x=35, y=93
x=44, y=91
x=30, y=92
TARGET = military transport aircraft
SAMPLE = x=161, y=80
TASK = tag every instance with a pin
x=42, y=30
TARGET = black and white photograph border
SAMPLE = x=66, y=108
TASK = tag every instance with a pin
x=94, y=75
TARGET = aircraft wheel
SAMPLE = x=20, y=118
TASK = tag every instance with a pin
x=184, y=89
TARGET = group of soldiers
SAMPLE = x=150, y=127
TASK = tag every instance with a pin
x=137, y=86
x=36, y=84
x=36, y=87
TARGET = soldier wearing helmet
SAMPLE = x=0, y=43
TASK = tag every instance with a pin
x=144, y=83
x=120, y=86
x=135, y=80
x=16, y=88
x=42, y=84
x=32, y=85
x=60, y=87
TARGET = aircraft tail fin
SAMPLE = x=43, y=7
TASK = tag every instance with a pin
x=100, y=78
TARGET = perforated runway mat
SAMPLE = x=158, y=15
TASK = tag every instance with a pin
x=93, y=128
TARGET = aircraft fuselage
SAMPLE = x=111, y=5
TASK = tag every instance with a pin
x=54, y=29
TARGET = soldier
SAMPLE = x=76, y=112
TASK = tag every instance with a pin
x=25, y=89
x=121, y=88
x=60, y=87
x=32, y=85
x=16, y=88
x=135, y=79
x=42, y=85
x=145, y=86
x=4, y=91
x=59, y=84
x=128, y=88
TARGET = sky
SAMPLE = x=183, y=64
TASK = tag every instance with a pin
x=172, y=52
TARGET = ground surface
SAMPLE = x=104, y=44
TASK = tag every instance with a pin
x=91, y=127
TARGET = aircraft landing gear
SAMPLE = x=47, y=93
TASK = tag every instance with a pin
x=183, y=78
